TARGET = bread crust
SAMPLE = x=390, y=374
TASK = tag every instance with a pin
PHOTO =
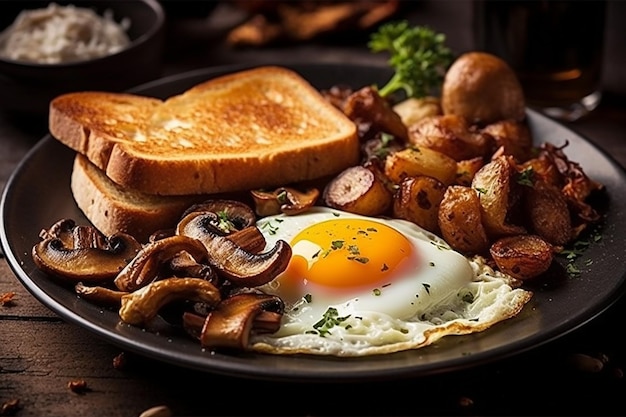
x=258, y=128
x=112, y=209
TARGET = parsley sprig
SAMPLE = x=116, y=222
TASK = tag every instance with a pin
x=418, y=56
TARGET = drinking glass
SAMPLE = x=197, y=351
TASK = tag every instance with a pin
x=555, y=47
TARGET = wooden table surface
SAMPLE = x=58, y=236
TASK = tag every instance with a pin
x=40, y=353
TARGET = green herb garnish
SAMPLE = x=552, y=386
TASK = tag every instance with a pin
x=418, y=56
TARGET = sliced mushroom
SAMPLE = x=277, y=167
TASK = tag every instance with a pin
x=232, y=321
x=241, y=267
x=145, y=267
x=286, y=200
x=141, y=306
x=264, y=322
x=184, y=265
x=82, y=253
x=250, y=239
x=232, y=215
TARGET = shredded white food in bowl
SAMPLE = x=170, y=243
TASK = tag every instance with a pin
x=61, y=34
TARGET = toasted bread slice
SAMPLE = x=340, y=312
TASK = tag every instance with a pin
x=112, y=208
x=258, y=128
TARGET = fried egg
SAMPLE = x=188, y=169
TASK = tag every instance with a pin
x=359, y=286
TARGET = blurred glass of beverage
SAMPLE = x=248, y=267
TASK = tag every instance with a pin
x=555, y=47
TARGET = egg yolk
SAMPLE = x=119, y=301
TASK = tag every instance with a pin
x=347, y=253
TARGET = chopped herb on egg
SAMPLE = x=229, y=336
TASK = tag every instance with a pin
x=431, y=263
x=404, y=331
x=360, y=259
x=329, y=320
x=376, y=292
x=384, y=268
x=337, y=244
x=440, y=245
x=307, y=298
x=387, y=285
x=481, y=190
x=272, y=228
x=426, y=287
x=353, y=249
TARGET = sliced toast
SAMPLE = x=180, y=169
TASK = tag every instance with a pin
x=258, y=128
x=112, y=208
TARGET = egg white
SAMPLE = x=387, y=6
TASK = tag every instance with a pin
x=441, y=292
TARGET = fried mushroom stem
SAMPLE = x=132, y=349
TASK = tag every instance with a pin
x=141, y=306
x=99, y=295
x=145, y=267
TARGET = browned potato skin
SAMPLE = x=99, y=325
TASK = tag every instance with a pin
x=498, y=190
x=483, y=89
x=513, y=137
x=411, y=162
x=359, y=190
x=548, y=213
x=466, y=169
x=460, y=220
x=451, y=135
x=417, y=200
x=523, y=256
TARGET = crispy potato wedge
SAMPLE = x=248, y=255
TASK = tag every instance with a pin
x=359, y=189
x=451, y=135
x=549, y=215
x=417, y=199
x=498, y=192
x=522, y=256
x=460, y=220
x=411, y=162
x=466, y=169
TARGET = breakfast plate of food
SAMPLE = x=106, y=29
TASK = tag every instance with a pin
x=422, y=297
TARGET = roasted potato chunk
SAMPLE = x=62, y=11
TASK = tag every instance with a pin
x=483, y=89
x=513, y=137
x=548, y=212
x=451, y=135
x=414, y=109
x=417, y=200
x=367, y=104
x=522, y=256
x=499, y=193
x=460, y=221
x=359, y=190
x=414, y=161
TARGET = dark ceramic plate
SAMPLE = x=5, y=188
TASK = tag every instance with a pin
x=38, y=194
